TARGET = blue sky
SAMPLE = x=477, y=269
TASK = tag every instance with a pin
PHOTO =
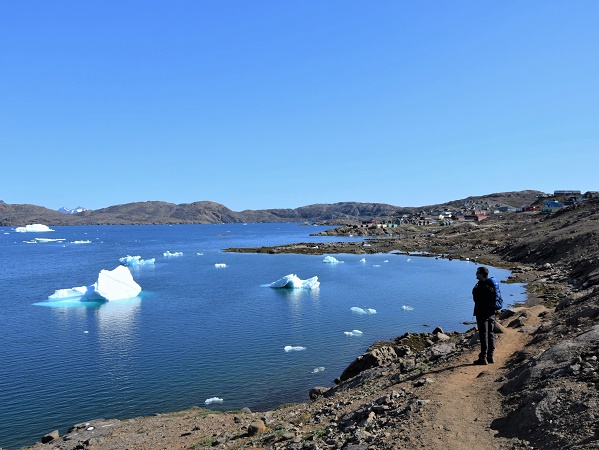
x=281, y=104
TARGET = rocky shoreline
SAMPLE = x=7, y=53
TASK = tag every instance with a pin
x=421, y=390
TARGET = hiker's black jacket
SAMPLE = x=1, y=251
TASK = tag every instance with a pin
x=483, y=295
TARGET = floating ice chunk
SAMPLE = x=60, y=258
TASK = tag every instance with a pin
x=43, y=240
x=318, y=369
x=220, y=265
x=358, y=310
x=116, y=284
x=289, y=348
x=386, y=261
x=81, y=242
x=292, y=281
x=167, y=254
x=407, y=308
x=376, y=265
x=62, y=294
x=353, y=333
x=34, y=228
x=409, y=259
x=363, y=260
x=211, y=400
x=134, y=261
x=331, y=260
x=199, y=253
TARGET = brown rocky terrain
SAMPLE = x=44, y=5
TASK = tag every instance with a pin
x=422, y=391
x=157, y=212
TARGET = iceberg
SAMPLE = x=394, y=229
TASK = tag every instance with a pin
x=358, y=310
x=292, y=281
x=34, y=228
x=318, y=369
x=167, y=253
x=211, y=400
x=407, y=308
x=81, y=242
x=331, y=260
x=289, y=348
x=116, y=284
x=220, y=265
x=363, y=260
x=353, y=333
x=135, y=261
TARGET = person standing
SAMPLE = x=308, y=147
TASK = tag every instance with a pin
x=484, y=295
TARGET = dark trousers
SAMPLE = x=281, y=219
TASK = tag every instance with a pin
x=486, y=328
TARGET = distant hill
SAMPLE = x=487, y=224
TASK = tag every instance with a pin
x=157, y=212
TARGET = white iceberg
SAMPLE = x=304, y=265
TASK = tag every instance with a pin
x=318, y=369
x=117, y=284
x=167, y=253
x=353, y=333
x=220, y=265
x=363, y=260
x=292, y=281
x=34, y=228
x=290, y=348
x=81, y=242
x=407, y=308
x=135, y=261
x=358, y=310
x=211, y=400
x=331, y=260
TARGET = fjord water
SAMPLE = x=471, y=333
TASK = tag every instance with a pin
x=198, y=331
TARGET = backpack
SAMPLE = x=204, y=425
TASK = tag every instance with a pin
x=498, y=299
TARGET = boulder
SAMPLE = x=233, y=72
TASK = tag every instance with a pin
x=50, y=437
x=256, y=427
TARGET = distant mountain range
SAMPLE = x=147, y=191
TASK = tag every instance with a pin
x=205, y=212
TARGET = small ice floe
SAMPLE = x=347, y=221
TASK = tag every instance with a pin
x=407, y=308
x=409, y=259
x=331, y=260
x=135, y=261
x=81, y=242
x=318, y=370
x=220, y=265
x=363, y=260
x=290, y=348
x=292, y=281
x=376, y=265
x=358, y=310
x=34, y=228
x=211, y=400
x=44, y=240
x=353, y=333
x=168, y=254
x=199, y=253
x=386, y=261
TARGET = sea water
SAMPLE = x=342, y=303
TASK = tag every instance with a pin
x=206, y=327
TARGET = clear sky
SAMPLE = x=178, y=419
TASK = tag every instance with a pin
x=279, y=104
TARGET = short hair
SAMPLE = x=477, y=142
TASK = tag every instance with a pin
x=483, y=270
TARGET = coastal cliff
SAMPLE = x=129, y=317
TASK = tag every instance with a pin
x=421, y=390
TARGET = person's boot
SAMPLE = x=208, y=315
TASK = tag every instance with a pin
x=490, y=358
x=481, y=361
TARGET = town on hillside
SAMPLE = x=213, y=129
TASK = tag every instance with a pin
x=477, y=211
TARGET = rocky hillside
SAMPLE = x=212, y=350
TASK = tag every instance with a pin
x=157, y=212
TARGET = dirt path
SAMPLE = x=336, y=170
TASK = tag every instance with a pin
x=464, y=399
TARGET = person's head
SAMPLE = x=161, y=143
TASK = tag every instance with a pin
x=482, y=273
